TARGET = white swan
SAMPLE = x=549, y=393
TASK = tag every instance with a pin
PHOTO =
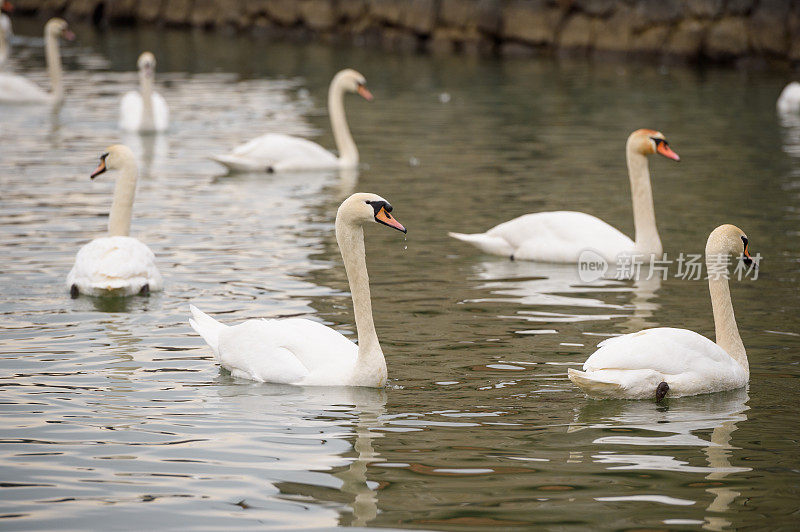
x=562, y=236
x=6, y=30
x=305, y=352
x=17, y=89
x=144, y=111
x=116, y=264
x=789, y=100
x=281, y=153
x=652, y=362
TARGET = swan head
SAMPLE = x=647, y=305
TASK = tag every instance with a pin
x=147, y=64
x=6, y=7
x=352, y=81
x=114, y=158
x=362, y=208
x=728, y=240
x=58, y=27
x=648, y=142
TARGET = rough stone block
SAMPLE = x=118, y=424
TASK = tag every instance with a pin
x=177, y=11
x=80, y=8
x=390, y=11
x=649, y=12
x=651, y=40
x=688, y=38
x=121, y=10
x=768, y=26
x=578, y=32
x=420, y=16
x=285, y=12
x=318, y=14
x=490, y=17
x=602, y=8
x=148, y=10
x=204, y=13
x=727, y=38
x=739, y=7
x=704, y=8
x=532, y=22
x=614, y=33
x=351, y=9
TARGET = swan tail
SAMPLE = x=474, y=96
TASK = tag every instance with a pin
x=494, y=245
x=594, y=387
x=207, y=327
x=237, y=164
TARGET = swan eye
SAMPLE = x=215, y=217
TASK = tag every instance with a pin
x=657, y=141
x=103, y=157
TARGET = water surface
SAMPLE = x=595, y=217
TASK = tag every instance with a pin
x=114, y=412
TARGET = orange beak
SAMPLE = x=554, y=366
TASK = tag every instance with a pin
x=666, y=151
x=748, y=260
x=68, y=35
x=364, y=92
x=386, y=219
x=100, y=168
x=8, y=7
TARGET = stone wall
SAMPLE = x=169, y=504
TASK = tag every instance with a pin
x=716, y=30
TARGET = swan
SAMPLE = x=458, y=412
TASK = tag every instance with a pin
x=563, y=236
x=281, y=153
x=116, y=264
x=789, y=100
x=17, y=89
x=144, y=111
x=304, y=352
x=652, y=362
x=6, y=30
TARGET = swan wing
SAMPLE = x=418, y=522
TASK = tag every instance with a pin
x=561, y=236
x=160, y=112
x=276, y=152
x=18, y=89
x=289, y=351
x=130, y=111
x=667, y=350
x=633, y=365
x=118, y=263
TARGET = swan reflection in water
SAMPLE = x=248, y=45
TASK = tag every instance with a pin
x=534, y=284
x=333, y=416
x=672, y=426
x=151, y=150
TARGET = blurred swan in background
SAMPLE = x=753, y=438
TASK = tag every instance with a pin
x=116, y=264
x=305, y=352
x=654, y=362
x=562, y=236
x=17, y=89
x=6, y=30
x=789, y=100
x=145, y=110
x=279, y=153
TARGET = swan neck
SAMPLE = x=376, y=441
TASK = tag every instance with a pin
x=724, y=320
x=3, y=43
x=348, y=153
x=119, y=220
x=371, y=363
x=646, y=237
x=54, y=69
x=146, y=91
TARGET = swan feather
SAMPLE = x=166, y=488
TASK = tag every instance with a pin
x=132, y=112
x=119, y=264
x=632, y=365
